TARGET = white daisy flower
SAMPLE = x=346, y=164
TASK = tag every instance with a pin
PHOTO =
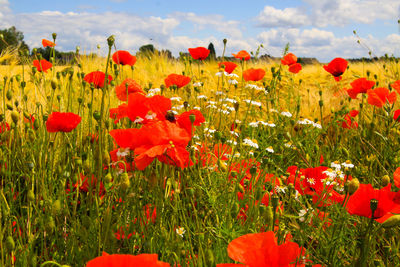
x=201, y=97
x=198, y=84
x=180, y=231
x=176, y=98
x=122, y=152
x=249, y=142
x=232, y=81
x=348, y=164
x=270, y=149
x=286, y=114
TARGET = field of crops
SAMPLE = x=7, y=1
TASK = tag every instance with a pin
x=238, y=161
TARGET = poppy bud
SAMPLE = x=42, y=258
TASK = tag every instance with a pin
x=96, y=115
x=50, y=225
x=210, y=260
x=10, y=244
x=392, y=221
x=125, y=182
x=111, y=40
x=108, y=178
x=106, y=158
x=268, y=214
x=218, y=135
x=9, y=94
x=373, y=205
x=225, y=41
x=15, y=116
x=53, y=84
x=253, y=170
x=30, y=196
x=274, y=201
x=236, y=106
x=385, y=180
x=54, y=35
x=56, y=207
x=353, y=186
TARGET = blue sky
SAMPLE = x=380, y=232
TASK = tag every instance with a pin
x=314, y=28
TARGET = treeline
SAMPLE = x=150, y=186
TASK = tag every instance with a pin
x=11, y=37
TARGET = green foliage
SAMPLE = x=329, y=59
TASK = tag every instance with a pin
x=12, y=37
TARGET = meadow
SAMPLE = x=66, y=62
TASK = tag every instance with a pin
x=151, y=161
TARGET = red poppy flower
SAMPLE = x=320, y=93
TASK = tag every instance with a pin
x=176, y=79
x=295, y=68
x=46, y=43
x=124, y=58
x=199, y=53
x=43, y=65
x=142, y=109
x=243, y=55
x=4, y=126
x=262, y=250
x=121, y=260
x=126, y=87
x=396, y=177
x=253, y=74
x=396, y=115
x=184, y=122
x=348, y=122
x=289, y=59
x=380, y=96
x=62, y=122
x=163, y=140
x=360, y=86
x=229, y=66
x=86, y=185
x=396, y=86
x=97, y=78
x=120, y=112
x=336, y=67
x=359, y=202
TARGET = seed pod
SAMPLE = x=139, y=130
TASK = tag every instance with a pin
x=10, y=244
x=9, y=94
x=15, y=116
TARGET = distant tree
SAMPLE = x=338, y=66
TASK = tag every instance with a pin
x=212, y=54
x=149, y=48
x=12, y=37
x=62, y=57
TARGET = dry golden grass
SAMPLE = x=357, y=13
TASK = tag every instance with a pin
x=151, y=70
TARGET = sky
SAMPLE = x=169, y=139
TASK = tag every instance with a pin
x=313, y=28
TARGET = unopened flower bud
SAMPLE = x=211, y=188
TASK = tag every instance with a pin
x=15, y=116
x=392, y=221
x=353, y=186
x=385, y=180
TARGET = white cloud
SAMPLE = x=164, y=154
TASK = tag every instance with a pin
x=89, y=29
x=217, y=22
x=322, y=13
x=324, y=44
x=288, y=17
x=342, y=12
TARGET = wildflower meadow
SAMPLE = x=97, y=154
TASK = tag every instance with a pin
x=148, y=160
